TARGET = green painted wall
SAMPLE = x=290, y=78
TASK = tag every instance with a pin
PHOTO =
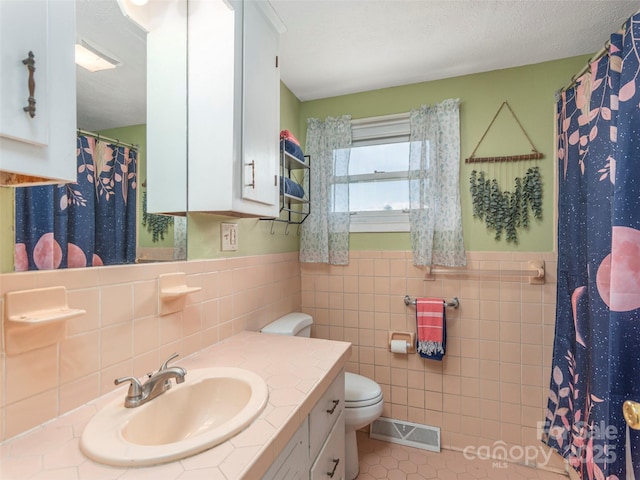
x=530, y=93
x=289, y=111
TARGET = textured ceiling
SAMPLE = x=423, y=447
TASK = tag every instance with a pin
x=335, y=47
x=338, y=47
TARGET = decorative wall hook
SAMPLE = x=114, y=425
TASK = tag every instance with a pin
x=535, y=155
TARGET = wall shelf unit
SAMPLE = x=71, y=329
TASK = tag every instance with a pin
x=293, y=209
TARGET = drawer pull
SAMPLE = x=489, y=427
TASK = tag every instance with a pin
x=335, y=461
x=333, y=409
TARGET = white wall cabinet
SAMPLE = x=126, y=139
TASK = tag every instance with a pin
x=39, y=144
x=261, y=106
x=234, y=108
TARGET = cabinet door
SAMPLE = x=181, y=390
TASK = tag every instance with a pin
x=41, y=145
x=213, y=28
x=167, y=109
x=261, y=106
x=293, y=462
x=23, y=29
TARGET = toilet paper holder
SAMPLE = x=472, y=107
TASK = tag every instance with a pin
x=409, y=337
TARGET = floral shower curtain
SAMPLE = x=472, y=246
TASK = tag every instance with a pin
x=596, y=358
x=325, y=233
x=434, y=188
x=87, y=223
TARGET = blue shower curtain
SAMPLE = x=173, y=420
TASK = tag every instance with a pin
x=596, y=357
x=88, y=223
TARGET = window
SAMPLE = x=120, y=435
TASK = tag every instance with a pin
x=378, y=174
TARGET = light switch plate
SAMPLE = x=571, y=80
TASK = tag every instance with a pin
x=229, y=237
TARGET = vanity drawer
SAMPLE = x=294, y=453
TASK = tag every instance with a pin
x=325, y=414
x=330, y=463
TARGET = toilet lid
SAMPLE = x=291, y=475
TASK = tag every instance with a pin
x=360, y=391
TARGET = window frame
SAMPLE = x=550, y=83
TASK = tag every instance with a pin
x=379, y=131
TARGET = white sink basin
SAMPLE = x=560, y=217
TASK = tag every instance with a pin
x=211, y=406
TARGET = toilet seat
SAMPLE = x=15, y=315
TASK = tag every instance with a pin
x=360, y=391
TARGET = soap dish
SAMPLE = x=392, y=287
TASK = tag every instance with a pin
x=36, y=318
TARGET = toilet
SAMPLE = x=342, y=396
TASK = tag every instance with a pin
x=363, y=396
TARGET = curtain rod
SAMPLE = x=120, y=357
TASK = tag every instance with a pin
x=394, y=117
x=599, y=54
x=113, y=141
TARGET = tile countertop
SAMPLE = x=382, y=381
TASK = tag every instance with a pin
x=297, y=371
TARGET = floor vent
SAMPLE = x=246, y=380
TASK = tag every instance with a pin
x=406, y=433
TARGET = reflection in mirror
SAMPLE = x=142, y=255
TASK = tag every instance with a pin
x=111, y=118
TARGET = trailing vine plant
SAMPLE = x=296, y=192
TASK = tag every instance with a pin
x=157, y=225
x=506, y=211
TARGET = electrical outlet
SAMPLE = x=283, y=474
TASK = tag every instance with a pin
x=229, y=236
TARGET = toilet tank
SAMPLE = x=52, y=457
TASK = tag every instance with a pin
x=293, y=324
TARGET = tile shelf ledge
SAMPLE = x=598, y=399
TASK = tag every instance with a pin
x=46, y=316
x=173, y=292
x=36, y=318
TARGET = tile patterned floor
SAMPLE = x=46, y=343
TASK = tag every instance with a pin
x=390, y=461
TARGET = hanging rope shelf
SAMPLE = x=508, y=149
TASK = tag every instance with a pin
x=535, y=155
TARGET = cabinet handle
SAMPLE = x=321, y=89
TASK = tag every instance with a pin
x=335, y=461
x=333, y=409
x=253, y=174
x=30, y=63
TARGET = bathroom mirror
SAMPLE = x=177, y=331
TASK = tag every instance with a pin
x=114, y=101
x=112, y=104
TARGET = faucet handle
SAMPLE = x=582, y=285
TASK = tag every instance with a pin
x=135, y=389
x=165, y=364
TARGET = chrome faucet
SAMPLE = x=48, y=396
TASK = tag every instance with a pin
x=157, y=383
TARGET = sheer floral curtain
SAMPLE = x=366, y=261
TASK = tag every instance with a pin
x=325, y=233
x=434, y=187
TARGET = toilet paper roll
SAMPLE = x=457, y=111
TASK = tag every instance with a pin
x=399, y=346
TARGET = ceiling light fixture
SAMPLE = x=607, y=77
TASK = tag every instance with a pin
x=92, y=59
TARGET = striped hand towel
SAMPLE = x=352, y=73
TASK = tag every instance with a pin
x=432, y=328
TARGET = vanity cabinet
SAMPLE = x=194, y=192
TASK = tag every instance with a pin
x=37, y=92
x=317, y=450
x=234, y=108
